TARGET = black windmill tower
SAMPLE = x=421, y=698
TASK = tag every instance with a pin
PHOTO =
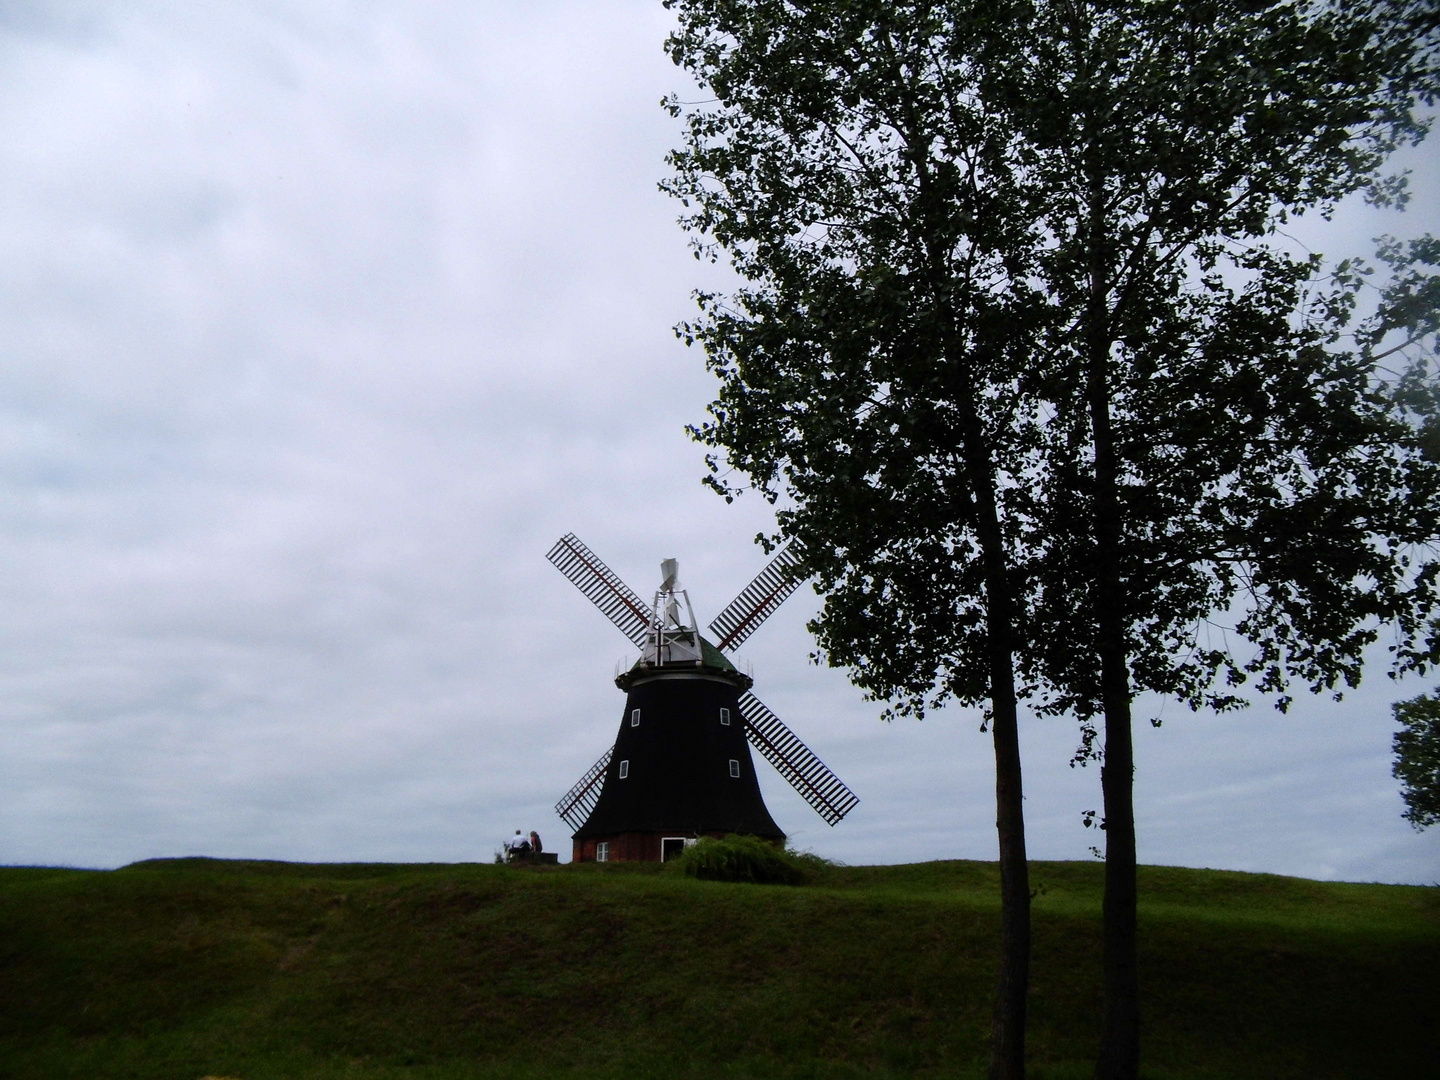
x=680, y=767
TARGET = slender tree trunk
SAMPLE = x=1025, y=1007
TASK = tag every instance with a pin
x=1007, y=1032
x=1120, y=1041
x=1120, y=1038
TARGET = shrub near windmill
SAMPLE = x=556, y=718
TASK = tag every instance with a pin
x=680, y=767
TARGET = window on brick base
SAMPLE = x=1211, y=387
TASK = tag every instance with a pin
x=602, y=851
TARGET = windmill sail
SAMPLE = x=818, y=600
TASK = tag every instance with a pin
x=602, y=586
x=575, y=807
x=793, y=760
x=757, y=601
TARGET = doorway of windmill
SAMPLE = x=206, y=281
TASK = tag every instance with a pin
x=672, y=847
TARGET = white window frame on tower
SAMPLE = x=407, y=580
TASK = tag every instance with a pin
x=625, y=769
x=735, y=768
x=725, y=717
x=634, y=717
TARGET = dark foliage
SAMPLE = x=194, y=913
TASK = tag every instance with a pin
x=1417, y=758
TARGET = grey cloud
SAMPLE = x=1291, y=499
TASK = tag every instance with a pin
x=318, y=324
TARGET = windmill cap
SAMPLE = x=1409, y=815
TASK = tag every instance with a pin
x=713, y=664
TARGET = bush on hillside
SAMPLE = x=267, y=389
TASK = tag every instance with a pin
x=746, y=858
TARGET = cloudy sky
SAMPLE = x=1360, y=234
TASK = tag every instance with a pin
x=319, y=322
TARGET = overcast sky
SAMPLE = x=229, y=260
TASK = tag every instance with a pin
x=319, y=323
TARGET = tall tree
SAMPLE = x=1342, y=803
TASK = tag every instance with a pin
x=1044, y=398
x=1216, y=453
x=873, y=373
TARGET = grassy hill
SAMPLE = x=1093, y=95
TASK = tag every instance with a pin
x=192, y=967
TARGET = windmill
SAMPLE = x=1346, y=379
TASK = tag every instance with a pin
x=680, y=767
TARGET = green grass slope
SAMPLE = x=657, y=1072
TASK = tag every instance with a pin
x=192, y=968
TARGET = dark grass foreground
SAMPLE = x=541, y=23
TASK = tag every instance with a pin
x=192, y=967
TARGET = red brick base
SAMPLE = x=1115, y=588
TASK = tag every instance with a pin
x=629, y=847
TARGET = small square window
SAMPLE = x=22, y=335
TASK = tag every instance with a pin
x=602, y=851
x=734, y=767
x=725, y=717
x=625, y=769
x=634, y=717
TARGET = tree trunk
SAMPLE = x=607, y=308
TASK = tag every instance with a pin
x=1120, y=1037
x=1007, y=1032
x=1120, y=1042
x=1007, y=1029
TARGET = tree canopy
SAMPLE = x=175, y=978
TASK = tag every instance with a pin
x=902, y=182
